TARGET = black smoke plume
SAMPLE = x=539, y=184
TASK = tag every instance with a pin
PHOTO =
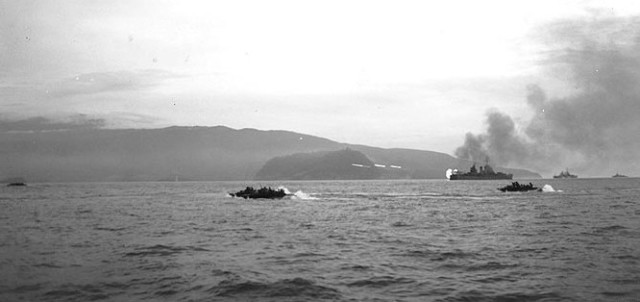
x=595, y=128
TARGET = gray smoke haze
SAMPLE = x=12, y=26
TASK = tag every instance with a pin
x=595, y=129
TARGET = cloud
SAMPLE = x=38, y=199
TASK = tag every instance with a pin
x=96, y=93
x=132, y=120
x=101, y=82
x=70, y=121
x=596, y=126
x=40, y=123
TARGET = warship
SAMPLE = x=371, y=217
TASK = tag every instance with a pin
x=483, y=173
x=565, y=174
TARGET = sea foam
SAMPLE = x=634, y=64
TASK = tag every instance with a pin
x=549, y=189
x=298, y=194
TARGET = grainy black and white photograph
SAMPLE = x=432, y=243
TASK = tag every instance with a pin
x=156, y=150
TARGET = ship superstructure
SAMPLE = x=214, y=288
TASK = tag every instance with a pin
x=565, y=174
x=485, y=172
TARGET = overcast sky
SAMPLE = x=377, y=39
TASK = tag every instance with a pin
x=411, y=74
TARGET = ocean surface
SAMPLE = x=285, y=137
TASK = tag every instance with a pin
x=431, y=240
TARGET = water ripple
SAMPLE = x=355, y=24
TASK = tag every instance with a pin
x=287, y=288
x=356, y=241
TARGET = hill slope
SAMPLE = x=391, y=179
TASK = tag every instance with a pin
x=343, y=164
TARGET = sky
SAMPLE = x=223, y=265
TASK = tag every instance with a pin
x=430, y=75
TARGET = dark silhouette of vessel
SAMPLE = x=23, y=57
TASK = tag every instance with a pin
x=15, y=182
x=263, y=192
x=618, y=175
x=517, y=187
x=565, y=174
x=483, y=173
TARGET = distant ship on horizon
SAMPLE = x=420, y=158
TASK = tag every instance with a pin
x=618, y=175
x=483, y=173
x=565, y=174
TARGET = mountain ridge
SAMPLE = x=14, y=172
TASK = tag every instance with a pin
x=215, y=153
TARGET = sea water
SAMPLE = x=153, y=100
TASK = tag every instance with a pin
x=431, y=240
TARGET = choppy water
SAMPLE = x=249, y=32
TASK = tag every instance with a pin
x=334, y=241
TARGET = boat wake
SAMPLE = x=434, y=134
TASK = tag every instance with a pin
x=549, y=189
x=298, y=195
x=303, y=196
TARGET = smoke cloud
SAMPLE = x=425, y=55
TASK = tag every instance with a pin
x=595, y=129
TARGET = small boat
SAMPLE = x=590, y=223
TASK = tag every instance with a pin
x=264, y=192
x=14, y=182
x=517, y=187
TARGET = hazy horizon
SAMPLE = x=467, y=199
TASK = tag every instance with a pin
x=540, y=86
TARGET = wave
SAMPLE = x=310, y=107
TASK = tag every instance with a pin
x=489, y=266
x=109, y=229
x=630, y=257
x=381, y=281
x=602, y=230
x=292, y=288
x=441, y=256
x=401, y=224
x=614, y=227
x=85, y=292
x=356, y=267
x=382, y=196
x=163, y=250
x=308, y=254
x=47, y=265
x=475, y=295
x=24, y=289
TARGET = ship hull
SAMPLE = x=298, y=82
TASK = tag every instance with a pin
x=480, y=177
